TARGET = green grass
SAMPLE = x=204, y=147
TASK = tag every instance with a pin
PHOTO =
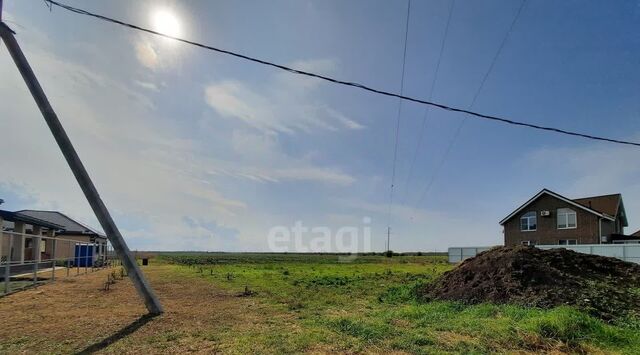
x=373, y=305
x=15, y=285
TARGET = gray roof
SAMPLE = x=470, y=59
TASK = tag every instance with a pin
x=71, y=226
x=10, y=217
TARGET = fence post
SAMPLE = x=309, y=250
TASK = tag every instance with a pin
x=53, y=262
x=1, y=234
x=77, y=257
x=7, y=269
x=36, y=258
x=86, y=258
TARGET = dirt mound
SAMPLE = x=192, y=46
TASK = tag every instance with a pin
x=604, y=287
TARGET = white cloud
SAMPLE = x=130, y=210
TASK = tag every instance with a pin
x=267, y=163
x=285, y=104
x=149, y=178
x=147, y=85
x=114, y=128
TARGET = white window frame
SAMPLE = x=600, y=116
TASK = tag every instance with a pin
x=567, y=242
x=528, y=218
x=528, y=242
x=566, y=212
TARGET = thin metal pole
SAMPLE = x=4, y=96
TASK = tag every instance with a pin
x=53, y=263
x=77, y=253
x=36, y=251
x=7, y=269
x=82, y=176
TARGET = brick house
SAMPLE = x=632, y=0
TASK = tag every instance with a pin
x=549, y=218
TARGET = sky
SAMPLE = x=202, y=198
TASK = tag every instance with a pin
x=194, y=150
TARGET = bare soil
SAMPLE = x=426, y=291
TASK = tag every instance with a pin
x=605, y=287
x=75, y=315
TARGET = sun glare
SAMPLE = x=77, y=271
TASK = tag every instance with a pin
x=166, y=22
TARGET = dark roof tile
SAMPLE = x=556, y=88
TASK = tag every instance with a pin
x=606, y=204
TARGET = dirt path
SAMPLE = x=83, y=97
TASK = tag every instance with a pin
x=76, y=315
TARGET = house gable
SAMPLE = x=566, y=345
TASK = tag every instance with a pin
x=610, y=205
x=559, y=197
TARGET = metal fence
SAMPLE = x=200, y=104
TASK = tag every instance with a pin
x=626, y=252
x=28, y=259
x=459, y=254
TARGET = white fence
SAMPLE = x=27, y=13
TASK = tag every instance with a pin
x=457, y=255
x=626, y=252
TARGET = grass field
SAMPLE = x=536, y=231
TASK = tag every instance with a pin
x=260, y=303
x=371, y=304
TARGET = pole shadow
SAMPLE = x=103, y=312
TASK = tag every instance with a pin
x=129, y=329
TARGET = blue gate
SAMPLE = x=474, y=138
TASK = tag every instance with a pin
x=84, y=255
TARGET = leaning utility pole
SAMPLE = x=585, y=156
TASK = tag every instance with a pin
x=72, y=158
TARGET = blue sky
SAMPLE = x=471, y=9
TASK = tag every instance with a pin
x=193, y=150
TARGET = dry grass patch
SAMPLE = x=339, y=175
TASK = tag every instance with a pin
x=75, y=314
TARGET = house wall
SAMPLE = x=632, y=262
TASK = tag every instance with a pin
x=619, y=225
x=65, y=249
x=547, y=232
x=4, y=245
x=608, y=227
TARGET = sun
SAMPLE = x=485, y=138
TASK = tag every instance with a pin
x=166, y=22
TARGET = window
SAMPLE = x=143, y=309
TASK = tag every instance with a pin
x=566, y=218
x=528, y=242
x=567, y=242
x=528, y=222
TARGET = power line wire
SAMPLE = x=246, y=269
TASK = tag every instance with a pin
x=425, y=117
x=473, y=101
x=395, y=148
x=347, y=83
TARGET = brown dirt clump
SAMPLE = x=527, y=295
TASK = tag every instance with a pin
x=605, y=287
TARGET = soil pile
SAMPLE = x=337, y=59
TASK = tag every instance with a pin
x=605, y=287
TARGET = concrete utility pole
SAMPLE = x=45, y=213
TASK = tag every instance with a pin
x=72, y=158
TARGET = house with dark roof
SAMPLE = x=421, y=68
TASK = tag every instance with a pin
x=17, y=248
x=550, y=218
x=72, y=230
